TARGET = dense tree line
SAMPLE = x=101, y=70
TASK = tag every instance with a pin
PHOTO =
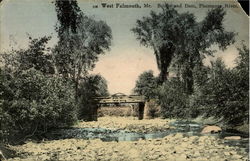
x=180, y=45
x=219, y=92
x=177, y=39
x=42, y=87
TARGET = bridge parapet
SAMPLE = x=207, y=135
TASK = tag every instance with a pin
x=123, y=99
x=120, y=99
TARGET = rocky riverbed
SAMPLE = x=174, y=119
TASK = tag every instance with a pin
x=131, y=124
x=172, y=147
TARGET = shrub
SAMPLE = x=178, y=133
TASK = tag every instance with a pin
x=173, y=100
x=152, y=109
x=33, y=102
x=225, y=94
x=90, y=87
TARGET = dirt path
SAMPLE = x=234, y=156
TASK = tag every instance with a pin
x=170, y=148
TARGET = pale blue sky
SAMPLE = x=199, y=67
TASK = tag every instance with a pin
x=127, y=58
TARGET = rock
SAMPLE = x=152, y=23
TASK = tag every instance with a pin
x=236, y=156
x=173, y=147
x=182, y=157
x=226, y=153
x=196, y=154
x=178, y=135
x=232, y=138
x=202, y=159
x=211, y=129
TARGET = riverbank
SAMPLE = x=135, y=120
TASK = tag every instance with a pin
x=244, y=128
x=172, y=147
x=130, y=124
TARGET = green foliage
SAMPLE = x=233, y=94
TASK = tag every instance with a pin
x=146, y=84
x=32, y=99
x=38, y=86
x=81, y=40
x=91, y=87
x=33, y=102
x=242, y=67
x=173, y=100
x=37, y=56
x=224, y=95
x=179, y=40
x=75, y=54
x=219, y=92
x=180, y=43
x=67, y=14
x=225, y=92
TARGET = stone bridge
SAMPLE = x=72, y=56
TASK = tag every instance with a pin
x=120, y=98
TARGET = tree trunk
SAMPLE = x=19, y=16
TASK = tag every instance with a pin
x=189, y=82
x=166, y=53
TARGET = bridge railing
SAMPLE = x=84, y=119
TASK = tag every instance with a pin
x=120, y=99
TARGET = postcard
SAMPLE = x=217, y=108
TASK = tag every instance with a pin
x=133, y=80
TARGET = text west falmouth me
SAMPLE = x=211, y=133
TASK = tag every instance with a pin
x=120, y=5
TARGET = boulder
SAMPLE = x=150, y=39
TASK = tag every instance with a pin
x=232, y=138
x=211, y=129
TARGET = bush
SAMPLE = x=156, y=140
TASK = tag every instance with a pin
x=33, y=102
x=146, y=85
x=90, y=87
x=225, y=94
x=173, y=100
x=152, y=109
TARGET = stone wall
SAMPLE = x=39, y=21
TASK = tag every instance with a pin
x=115, y=111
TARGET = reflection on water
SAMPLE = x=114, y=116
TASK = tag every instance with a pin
x=186, y=127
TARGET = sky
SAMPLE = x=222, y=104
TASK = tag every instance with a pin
x=126, y=59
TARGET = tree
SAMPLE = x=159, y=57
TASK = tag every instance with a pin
x=32, y=98
x=242, y=83
x=179, y=37
x=33, y=102
x=173, y=99
x=81, y=41
x=146, y=84
x=90, y=87
x=225, y=92
x=68, y=13
x=101, y=85
x=242, y=67
x=37, y=56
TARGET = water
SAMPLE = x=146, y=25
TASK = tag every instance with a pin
x=194, y=129
x=186, y=127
